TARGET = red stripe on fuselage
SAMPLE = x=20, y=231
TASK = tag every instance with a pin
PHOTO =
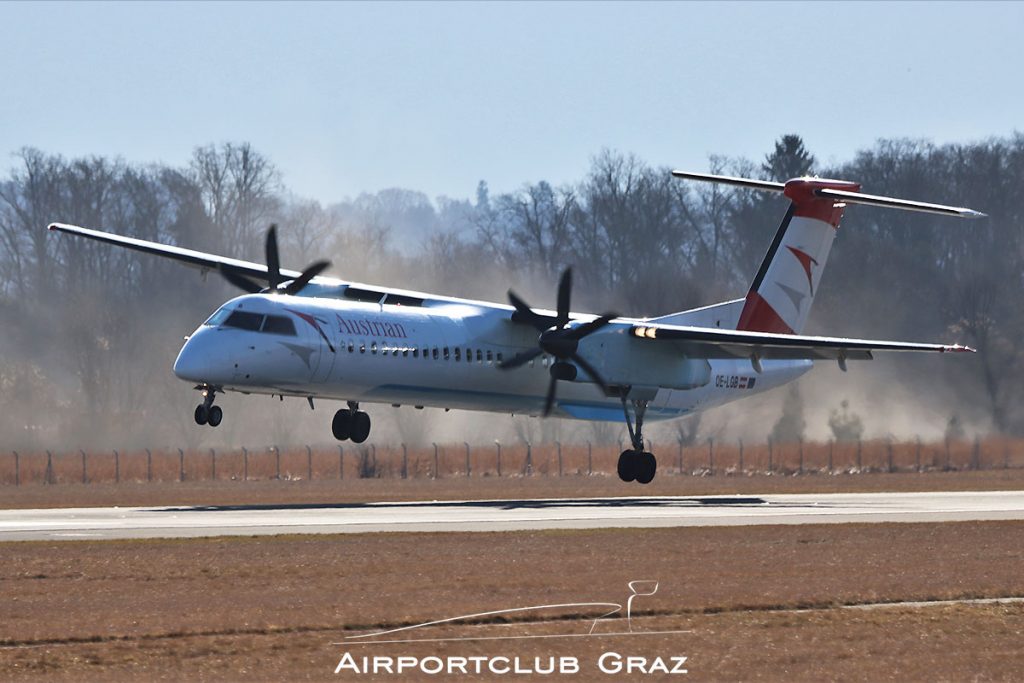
x=759, y=316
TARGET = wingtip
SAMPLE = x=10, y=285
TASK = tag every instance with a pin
x=960, y=348
x=971, y=213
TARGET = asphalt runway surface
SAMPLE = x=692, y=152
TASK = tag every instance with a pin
x=505, y=515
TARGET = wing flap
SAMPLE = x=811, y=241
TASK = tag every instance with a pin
x=699, y=342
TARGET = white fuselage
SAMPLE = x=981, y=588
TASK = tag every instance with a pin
x=444, y=354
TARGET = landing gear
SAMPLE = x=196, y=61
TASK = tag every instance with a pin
x=351, y=423
x=206, y=413
x=636, y=464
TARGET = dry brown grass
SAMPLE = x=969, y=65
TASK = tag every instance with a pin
x=268, y=608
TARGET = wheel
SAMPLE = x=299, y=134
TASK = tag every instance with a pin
x=647, y=466
x=342, y=424
x=215, y=416
x=202, y=414
x=360, y=427
x=627, y=466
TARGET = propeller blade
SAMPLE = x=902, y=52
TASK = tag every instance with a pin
x=240, y=281
x=273, y=260
x=564, y=295
x=591, y=327
x=311, y=271
x=525, y=314
x=549, y=402
x=519, y=359
x=590, y=370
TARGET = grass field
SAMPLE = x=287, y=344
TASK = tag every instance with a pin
x=759, y=604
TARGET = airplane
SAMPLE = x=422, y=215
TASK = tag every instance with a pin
x=302, y=334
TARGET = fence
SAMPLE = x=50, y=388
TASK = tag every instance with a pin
x=499, y=460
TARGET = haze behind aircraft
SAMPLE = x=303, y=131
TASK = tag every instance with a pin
x=305, y=335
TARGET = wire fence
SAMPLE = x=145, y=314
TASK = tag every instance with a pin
x=435, y=461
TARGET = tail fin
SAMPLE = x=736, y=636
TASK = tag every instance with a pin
x=780, y=297
x=781, y=294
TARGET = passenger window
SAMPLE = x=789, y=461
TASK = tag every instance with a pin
x=446, y=353
x=415, y=352
x=469, y=355
x=362, y=347
x=458, y=353
x=490, y=357
x=351, y=346
x=405, y=353
x=434, y=352
x=479, y=356
x=373, y=348
x=279, y=324
x=499, y=357
x=244, y=320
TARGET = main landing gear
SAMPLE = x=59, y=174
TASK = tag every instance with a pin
x=636, y=464
x=207, y=413
x=351, y=423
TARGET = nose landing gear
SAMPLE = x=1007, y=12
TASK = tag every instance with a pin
x=206, y=413
x=636, y=464
x=351, y=423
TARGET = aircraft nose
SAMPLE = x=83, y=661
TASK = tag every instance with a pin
x=195, y=362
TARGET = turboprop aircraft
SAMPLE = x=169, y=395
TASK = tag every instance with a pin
x=306, y=335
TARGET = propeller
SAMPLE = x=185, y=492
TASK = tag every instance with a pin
x=274, y=272
x=557, y=339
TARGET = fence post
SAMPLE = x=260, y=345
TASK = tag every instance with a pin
x=49, y=468
x=117, y=467
x=800, y=462
x=528, y=465
x=149, y=465
x=917, y=455
x=277, y=459
x=405, y=461
x=976, y=454
x=680, y=456
x=309, y=463
x=711, y=455
x=1006, y=454
x=831, y=446
x=889, y=451
x=590, y=459
x=741, y=456
x=17, y=468
x=771, y=454
x=859, y=453
x=435, y=461
x=213, y=465
x=181, y=465
x=85, y=474
x=341, y=462
x=948, y=463
x=498, y=444
x=559, y=444
x=245, y=464
x=466, y=444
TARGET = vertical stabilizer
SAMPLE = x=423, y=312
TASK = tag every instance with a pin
x=781, y=294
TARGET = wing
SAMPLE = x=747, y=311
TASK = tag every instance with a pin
x=196, y=259
x=703, y=342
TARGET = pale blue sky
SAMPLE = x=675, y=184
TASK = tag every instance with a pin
x=352, y=97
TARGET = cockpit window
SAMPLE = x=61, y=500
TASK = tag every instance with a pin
x=279, y=324
x=219, y=317
x=244, y=320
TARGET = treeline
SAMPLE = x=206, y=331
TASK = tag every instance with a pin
x=90, y=331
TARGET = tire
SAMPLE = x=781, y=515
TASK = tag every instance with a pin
x=647, y=468
x=202, y=414
x=360, y=427
x=215, y=416
x=341, y=426
x=627, y=466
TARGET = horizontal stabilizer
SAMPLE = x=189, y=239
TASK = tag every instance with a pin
x=836, y=194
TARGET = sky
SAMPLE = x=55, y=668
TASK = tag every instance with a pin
x=347, y=98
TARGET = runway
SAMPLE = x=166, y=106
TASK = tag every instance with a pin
x=506, y=515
